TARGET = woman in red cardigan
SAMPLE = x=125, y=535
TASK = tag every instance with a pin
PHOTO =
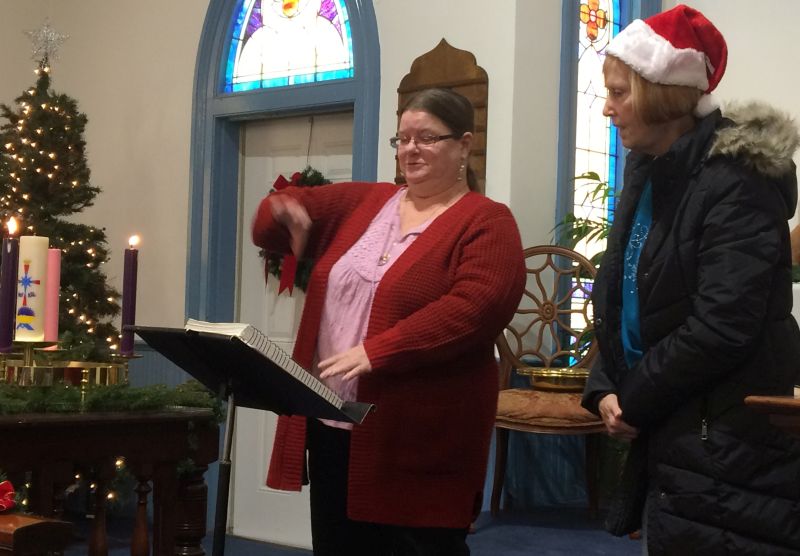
x=409, y=289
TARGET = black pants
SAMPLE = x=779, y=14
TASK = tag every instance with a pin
x=334, y=534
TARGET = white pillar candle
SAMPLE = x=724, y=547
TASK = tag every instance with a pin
x=31, y=287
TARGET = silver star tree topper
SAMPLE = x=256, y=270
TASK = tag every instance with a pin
x=46, y=42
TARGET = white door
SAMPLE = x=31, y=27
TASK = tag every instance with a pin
x=269, y=148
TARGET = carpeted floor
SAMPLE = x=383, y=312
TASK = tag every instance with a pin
x=545, y=532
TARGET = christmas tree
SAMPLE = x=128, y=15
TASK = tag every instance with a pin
x=44, y=178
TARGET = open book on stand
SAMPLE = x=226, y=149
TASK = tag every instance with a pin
x=239, y=357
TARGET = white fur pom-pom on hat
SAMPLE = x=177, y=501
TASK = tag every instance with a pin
x=677, y=47
x=706, y=105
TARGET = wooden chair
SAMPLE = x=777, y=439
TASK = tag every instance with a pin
x=550, y=340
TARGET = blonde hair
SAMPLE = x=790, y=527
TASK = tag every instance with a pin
x=655, y=103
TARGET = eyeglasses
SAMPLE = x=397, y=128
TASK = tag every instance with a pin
x=421, y=141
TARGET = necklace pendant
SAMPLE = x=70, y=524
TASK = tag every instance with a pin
x=383, y=259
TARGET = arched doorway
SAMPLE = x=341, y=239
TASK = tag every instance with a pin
x=217, y=122
x=231, y=128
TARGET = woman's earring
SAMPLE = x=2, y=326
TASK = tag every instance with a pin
x=461, y=172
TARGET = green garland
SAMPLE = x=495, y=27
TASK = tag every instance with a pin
x=309, y=177
x=65, y=398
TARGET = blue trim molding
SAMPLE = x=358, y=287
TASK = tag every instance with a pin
x=216, y=126
x=567, y=106
x=644, y=8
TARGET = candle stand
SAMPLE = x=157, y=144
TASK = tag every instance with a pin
x=39, y=364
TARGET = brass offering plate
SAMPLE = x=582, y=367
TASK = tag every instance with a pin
x=557, y=379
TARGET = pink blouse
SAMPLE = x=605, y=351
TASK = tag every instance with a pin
x=351, y=288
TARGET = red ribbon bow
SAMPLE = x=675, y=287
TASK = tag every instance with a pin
x=7, y=496
x=289, y=265
x=283, y=183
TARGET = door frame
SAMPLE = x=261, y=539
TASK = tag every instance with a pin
x=214, y=159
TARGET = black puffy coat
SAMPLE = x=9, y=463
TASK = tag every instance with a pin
x=715, y=296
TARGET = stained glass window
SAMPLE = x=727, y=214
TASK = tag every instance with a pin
x=596, y=146
x=276, y=43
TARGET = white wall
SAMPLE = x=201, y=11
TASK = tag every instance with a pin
x=16, y=63
x=523, y=91
x=533, y=158
x=131, y=65
x=762, y=51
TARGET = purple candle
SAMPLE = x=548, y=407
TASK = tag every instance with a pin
x=8, y=287
x=129, y=295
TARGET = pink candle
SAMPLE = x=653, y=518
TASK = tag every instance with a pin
x=129, y=295
x=52, y=289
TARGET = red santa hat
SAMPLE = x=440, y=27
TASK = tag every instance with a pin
x=677, y=47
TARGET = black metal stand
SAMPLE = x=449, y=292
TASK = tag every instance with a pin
x=224, y=481
x=227, y=365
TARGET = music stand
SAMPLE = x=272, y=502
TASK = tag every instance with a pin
x=245, y=377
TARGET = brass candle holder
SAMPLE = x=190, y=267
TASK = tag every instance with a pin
x=42, y=364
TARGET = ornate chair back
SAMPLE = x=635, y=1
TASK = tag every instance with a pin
x=550, y=340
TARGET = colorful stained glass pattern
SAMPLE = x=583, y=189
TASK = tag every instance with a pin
x=595, y=138
x=276, y=43
x=594, y=18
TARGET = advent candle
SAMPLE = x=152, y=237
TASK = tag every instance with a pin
x=31, y=287
x=51, y=295
x=8, y=287
x=129, y=295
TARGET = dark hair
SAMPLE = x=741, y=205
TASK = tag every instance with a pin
x=454, y=109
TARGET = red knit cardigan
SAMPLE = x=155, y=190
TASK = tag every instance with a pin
x=419, y=460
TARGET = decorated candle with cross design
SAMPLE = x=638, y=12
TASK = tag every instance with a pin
x=31, y=287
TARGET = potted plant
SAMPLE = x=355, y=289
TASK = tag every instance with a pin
x=573, y=229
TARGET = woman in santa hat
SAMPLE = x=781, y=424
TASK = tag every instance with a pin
x=692, y=301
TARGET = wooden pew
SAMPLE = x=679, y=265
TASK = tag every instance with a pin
x=31, y=535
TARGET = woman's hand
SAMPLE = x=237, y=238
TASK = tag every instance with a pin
x=350, y=363
x=611, y=414
x=291, y=214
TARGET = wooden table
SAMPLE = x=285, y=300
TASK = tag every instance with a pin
x=784, y=411
x=54, y=446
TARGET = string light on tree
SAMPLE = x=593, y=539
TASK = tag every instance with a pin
x=43, y=135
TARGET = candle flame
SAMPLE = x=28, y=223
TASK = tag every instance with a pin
x=133, y=241
x=12, y=226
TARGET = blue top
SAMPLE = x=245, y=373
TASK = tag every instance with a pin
x=631, y=329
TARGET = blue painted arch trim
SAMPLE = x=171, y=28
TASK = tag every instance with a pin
x=216, y=126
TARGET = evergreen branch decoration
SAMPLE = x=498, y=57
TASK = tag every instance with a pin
x=274, y=263
x=65, y=398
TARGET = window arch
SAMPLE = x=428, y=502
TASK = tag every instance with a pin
x=219, y=111
x=277, y=44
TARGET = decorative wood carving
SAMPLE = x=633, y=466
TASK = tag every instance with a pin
x=451, y=68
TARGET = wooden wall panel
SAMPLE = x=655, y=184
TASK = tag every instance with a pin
x=451, y=68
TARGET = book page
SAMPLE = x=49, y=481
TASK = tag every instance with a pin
x=224, y=328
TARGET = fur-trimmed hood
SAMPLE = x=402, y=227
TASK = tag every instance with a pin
x=762, y=137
